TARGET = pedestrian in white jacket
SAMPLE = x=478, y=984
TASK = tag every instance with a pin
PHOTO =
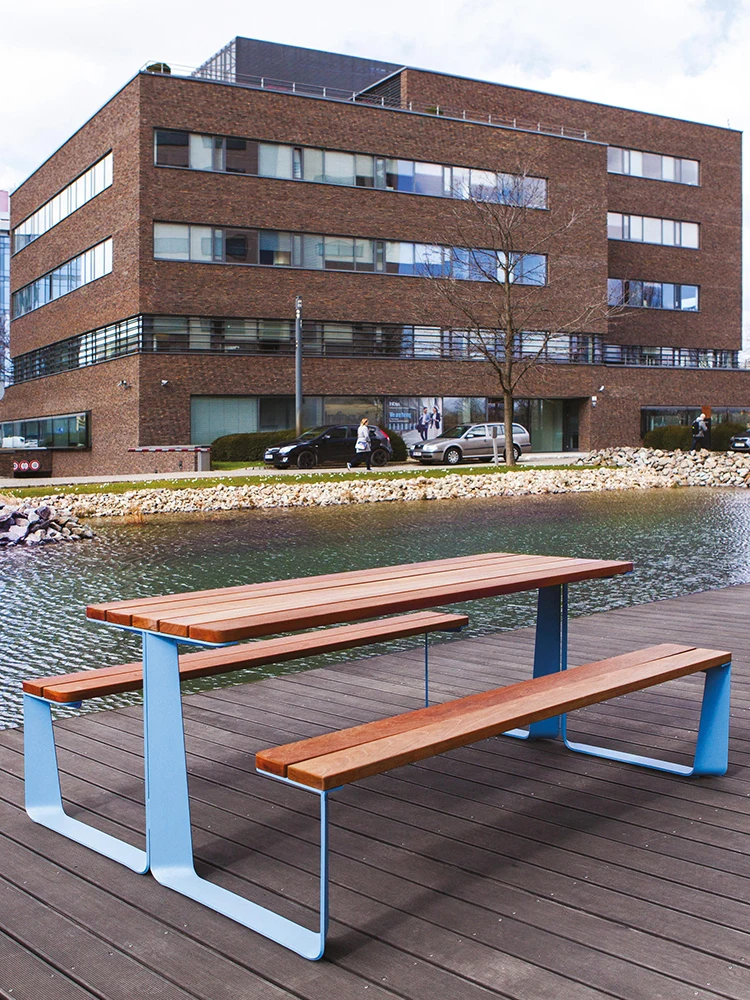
x=363, y=447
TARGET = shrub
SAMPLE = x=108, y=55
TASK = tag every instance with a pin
x=247, y=447
x=669, y=437
x=398, y=444
x=721, y=433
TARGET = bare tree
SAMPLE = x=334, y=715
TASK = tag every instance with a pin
x=494, y=258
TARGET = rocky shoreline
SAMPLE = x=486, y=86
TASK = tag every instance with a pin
x=678, y=468
x=610, y=469
x=21, y=523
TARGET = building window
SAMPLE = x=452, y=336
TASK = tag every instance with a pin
x=82, y=270
x=654, y=166
x=66, y=432
x=652, y=294
x=183, y=334
x=195, y=151
x=205, y=244
x=91, y=183
x=644, y=229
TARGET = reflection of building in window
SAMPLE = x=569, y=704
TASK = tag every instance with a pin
x=81, y=270
x=228, y=154
x=652, y=294
x=85, y=187
x=209, y=245
x=69, y=431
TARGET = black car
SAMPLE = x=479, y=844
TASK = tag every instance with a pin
x=328, y=444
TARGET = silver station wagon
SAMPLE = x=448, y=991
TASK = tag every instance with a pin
x=470, y=442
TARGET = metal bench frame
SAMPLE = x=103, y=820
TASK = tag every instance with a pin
x=711, y=757
x=43, y=794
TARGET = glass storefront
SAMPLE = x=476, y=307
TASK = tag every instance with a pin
x=661, y=416
x=552, y=423
x=69, y=431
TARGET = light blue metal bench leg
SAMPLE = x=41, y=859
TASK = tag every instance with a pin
x=550, y=653
x=426, y=671
x=42, y=790
x=169, y=835
x=712, y=746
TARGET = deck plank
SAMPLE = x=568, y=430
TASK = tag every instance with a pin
x=506, y=867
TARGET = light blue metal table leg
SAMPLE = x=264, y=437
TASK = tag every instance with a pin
x=712, y=746
x=426, y=672
x=42, y=790
x=170, y=839
x=550, y=653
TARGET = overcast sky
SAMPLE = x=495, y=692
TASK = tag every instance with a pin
x=685, y=58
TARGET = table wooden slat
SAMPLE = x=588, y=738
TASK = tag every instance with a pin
x=198, y=614
x=249, y=626
x=255, y=610
x=120, y=612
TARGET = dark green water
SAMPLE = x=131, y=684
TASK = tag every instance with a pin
x=681, y=541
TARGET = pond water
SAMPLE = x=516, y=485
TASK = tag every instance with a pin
x=681, y=541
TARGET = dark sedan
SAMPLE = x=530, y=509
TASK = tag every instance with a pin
x=328, y=444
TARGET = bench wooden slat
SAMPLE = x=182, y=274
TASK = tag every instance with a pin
x=207, y=663
x=502, y=709
x=277, y=760
x=303, y=617
x=120, y=612
x=198, y=613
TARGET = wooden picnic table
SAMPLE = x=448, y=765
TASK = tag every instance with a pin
x=232, y=614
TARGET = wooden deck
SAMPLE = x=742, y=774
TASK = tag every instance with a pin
x=505, y=869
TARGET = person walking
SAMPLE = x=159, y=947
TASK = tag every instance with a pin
x=363, y=447
x=701, y=431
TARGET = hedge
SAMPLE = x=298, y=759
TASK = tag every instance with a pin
x=673, y=436
x=721, y=433
x=398, y=444
x=252, y=447
x=669, y=438
x=247, y=447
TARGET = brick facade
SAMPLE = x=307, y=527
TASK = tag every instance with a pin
x=580, y=257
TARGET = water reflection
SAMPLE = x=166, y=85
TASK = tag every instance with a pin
x=681, y=541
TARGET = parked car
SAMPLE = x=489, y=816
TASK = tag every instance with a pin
x=470, y=441
x=328, y=444
x=740, y=442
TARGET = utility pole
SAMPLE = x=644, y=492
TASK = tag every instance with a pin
x=298, y=362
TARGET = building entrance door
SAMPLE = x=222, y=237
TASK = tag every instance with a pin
x=571, y=409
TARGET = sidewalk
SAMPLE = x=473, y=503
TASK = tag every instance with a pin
x=542, y=458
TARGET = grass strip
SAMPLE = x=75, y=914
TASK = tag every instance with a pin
x=78, y=489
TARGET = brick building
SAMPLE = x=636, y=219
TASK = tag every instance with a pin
x=4, y=287
x=157, y=255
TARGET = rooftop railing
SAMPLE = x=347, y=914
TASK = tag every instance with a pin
x=215, y=75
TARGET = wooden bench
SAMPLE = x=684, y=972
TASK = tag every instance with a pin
x=324, y=763
x=78, y=687
x=42, y=778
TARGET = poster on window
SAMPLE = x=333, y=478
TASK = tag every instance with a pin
x=416, y=418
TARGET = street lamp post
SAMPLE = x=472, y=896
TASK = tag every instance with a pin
x=298, y=362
